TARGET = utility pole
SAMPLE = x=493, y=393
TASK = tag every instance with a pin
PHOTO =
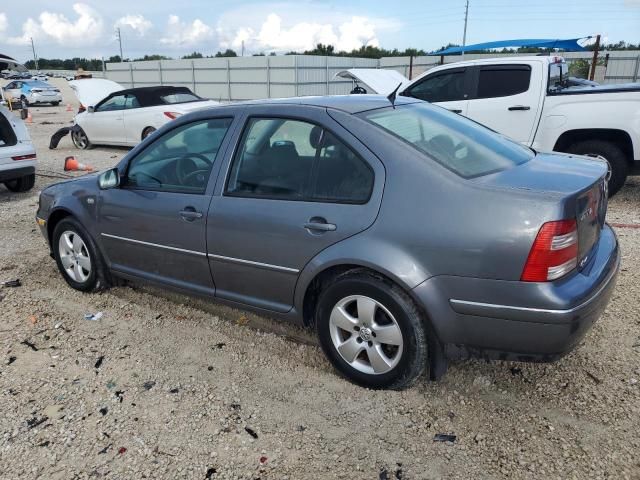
x=464, y=35
x=242, y=53
x=596, y=48
x=120, y=42
x=35, y=58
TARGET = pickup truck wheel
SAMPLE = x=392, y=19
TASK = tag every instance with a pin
x=22, y=184
x=613, y=154
x=371, y=331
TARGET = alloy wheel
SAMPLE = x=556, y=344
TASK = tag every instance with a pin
x=80, y=139
x=74, y=256
x=365, y=334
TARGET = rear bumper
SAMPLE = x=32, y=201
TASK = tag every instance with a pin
x=519, y=320
x=15, y=173
x=39, y=98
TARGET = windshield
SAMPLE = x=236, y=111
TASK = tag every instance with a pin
x=455, y=142
x=38, y=84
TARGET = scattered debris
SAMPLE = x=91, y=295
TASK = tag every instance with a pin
x=120, y=395
x=33, y=319
x=12, y=283
x=451, y=415
x=444, y=437
x=103, y=411
x=46, y=443
x=209, y=368
x=235, y=406
x=159, y=316
x=94, y=317
x=383, y=474
x=516, y=371
x=111, y=384
x=174, y=390
x=593, y=377
x=11, y=360
x=243, y=320
x=105, y=449
x=149, y=385
x=55, y=412
x=218, y=346
x=35, y=421
x=210, y=472
x=301, y=428
x=263, y=460
x=99, y=361
x=30, y=345
x=251, y=432
x=122, y=450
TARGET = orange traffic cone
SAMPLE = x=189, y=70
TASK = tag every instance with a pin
x=71, y=164
x=69, y=109
x=29, y=118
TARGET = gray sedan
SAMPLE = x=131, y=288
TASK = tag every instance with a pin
x=405, y=235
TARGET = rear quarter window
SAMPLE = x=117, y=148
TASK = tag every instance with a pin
x=7, y=135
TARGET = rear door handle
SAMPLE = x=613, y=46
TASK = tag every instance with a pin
x=189, y=214
x=519, y=107
x=319, y=224
x=455, y=110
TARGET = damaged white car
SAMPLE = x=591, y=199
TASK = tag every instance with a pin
x=112, y=115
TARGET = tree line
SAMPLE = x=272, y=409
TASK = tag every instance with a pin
x=367, y=51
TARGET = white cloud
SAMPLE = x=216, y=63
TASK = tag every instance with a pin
x=4, y=23
x=273, y=36
x=137, y=23
x=85, y=30
x=181, y=34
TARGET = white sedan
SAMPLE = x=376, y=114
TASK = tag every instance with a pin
x=111, y=115
x=17, y=155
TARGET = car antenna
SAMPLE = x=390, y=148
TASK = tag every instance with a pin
x=392, y=96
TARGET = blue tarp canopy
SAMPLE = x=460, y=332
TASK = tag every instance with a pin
x=570, y=45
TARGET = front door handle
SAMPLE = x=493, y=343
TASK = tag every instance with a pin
x=189, y=214
x=319, y=224
x=519, y=107
x=455, y=110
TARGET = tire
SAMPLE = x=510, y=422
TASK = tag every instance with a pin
x=80, y=139
x=22, y=184
x=80, y=263
x=618, y=163
x=147, y=131
x=340, y=324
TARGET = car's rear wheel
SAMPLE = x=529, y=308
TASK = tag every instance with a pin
x=147, y=131
x=371, y=331
x=80, y=139
x=22, y=184
x=77, y=257
x=615, y=157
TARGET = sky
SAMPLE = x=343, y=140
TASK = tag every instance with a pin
x=86, y=28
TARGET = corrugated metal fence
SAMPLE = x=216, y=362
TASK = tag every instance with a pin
x=247, y=78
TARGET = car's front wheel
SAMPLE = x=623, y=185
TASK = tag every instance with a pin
x=77, y=257
x=22, y=184
x=371, y=331
x=80, y=139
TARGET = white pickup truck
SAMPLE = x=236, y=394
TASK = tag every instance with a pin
x=530, y=100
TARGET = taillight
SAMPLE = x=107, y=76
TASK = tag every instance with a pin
x=172, y=115
x=31, y=156
x=554, y=252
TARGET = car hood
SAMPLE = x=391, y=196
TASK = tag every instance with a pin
x=379, y=81
x=91, y=90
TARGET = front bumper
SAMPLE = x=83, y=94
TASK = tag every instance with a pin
x=515, y=320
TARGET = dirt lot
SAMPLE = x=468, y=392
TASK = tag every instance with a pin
x=163, y=386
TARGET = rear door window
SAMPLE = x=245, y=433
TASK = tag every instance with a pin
x=447, y=86
x=288, y=159
x=503, y=80
x=7, y=135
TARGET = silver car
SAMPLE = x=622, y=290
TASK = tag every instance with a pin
x=406, y=235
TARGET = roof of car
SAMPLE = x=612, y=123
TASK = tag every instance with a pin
x=346, y=103
x=155, y=90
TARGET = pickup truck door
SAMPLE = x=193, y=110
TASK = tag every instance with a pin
x=449, y=89
x=508, y=99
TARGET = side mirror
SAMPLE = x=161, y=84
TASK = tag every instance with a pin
x=91, y=109
x=109, y=179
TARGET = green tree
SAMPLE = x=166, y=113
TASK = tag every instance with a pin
x=193, y=55
x=227, y=53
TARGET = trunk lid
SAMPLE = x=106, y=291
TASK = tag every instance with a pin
x=578, y=183
x=379, y=81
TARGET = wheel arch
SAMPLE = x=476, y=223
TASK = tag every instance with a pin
x=55, y=217
x=617, y=136
x=145, y=129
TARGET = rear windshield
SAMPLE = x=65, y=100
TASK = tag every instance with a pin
x=38, y=84
x=457, y=143
x=179, y=97
x=7, y=135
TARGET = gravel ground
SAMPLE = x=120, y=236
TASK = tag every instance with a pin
x=163, y=386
